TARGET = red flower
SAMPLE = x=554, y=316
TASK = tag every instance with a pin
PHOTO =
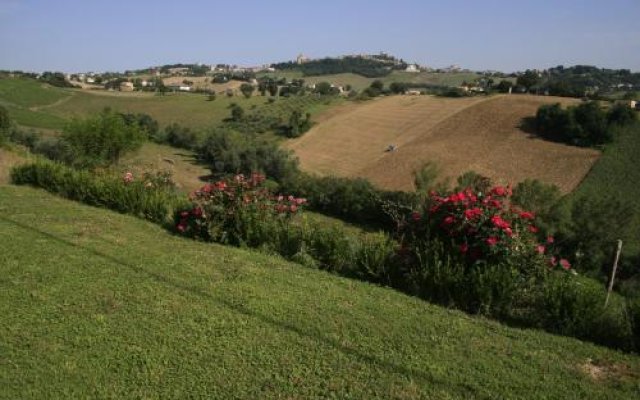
x=492, y=241
x=471, y=213
x=527, y=215
x=565, y=264
x=533, y=229
x=499, y=222
x=448, y=220
x=499, y=191
x=464, y=248
x=416, y=216
x=197, y=212
x=508, y=231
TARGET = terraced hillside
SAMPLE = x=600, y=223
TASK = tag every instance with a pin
x=480, y=134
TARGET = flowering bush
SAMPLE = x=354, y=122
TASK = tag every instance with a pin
x=238, y=211
x=482, y=228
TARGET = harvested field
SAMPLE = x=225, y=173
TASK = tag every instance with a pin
x=458, y=135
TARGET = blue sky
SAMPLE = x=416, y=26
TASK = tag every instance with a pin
x=74, y=35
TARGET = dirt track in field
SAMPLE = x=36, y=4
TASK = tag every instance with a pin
x=479, y=134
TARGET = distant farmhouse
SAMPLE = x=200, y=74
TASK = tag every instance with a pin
x=126, y=87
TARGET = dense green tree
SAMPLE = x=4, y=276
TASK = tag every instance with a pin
x=100, y=140
x=528, y=79
x=323, y=88
x=247, y=89
x=398, y=87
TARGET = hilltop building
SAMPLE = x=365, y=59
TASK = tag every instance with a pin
x=412, y=68
x=301, y=59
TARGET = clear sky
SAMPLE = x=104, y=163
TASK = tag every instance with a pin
x=114, y=35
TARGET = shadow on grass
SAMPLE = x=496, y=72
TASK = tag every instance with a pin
x=194, y=290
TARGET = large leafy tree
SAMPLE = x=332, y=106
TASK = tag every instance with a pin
x=101, y=140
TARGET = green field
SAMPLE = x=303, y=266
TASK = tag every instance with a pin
x=101, y=305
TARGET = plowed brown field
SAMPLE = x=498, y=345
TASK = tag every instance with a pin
x=458, y=135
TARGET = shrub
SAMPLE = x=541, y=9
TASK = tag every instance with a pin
x=180, y=136
x=573, y=306
x=229, y=153
x=621, y=115
x=123, y=194
x=5, y=124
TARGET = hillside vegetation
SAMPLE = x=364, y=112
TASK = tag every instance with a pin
x=33, y=104
x=480, y=134
x=105, y=305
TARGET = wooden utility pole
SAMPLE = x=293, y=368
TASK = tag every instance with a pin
x=613, y=273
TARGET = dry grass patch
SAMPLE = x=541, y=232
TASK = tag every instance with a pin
x=458, y=135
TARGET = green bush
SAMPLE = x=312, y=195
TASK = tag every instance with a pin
x=574, y=306
x=180, y=136
x=228, y=152
x=584, y=125
x=127, y=196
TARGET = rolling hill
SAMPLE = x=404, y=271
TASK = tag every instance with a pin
x=458, y=135
x=98, y=304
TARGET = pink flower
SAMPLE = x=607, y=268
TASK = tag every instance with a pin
x=197, y=212
x=416, y=216
x=565, y=264
x=128, y=177
x=550, y=239
x=301, y=201
x=448, y=220
x=280, y=198
x=508, y=231
x=553, y=261
x=540, y=249
x=533, y=229
x=181, y=227
x=184, y=214
x=293, y=208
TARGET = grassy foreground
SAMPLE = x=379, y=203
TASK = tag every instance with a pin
x=101, y=305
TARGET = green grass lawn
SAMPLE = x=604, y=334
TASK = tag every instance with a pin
x=96, y=304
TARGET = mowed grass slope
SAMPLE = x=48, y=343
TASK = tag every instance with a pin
x=458, y=135
x=101, y=305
